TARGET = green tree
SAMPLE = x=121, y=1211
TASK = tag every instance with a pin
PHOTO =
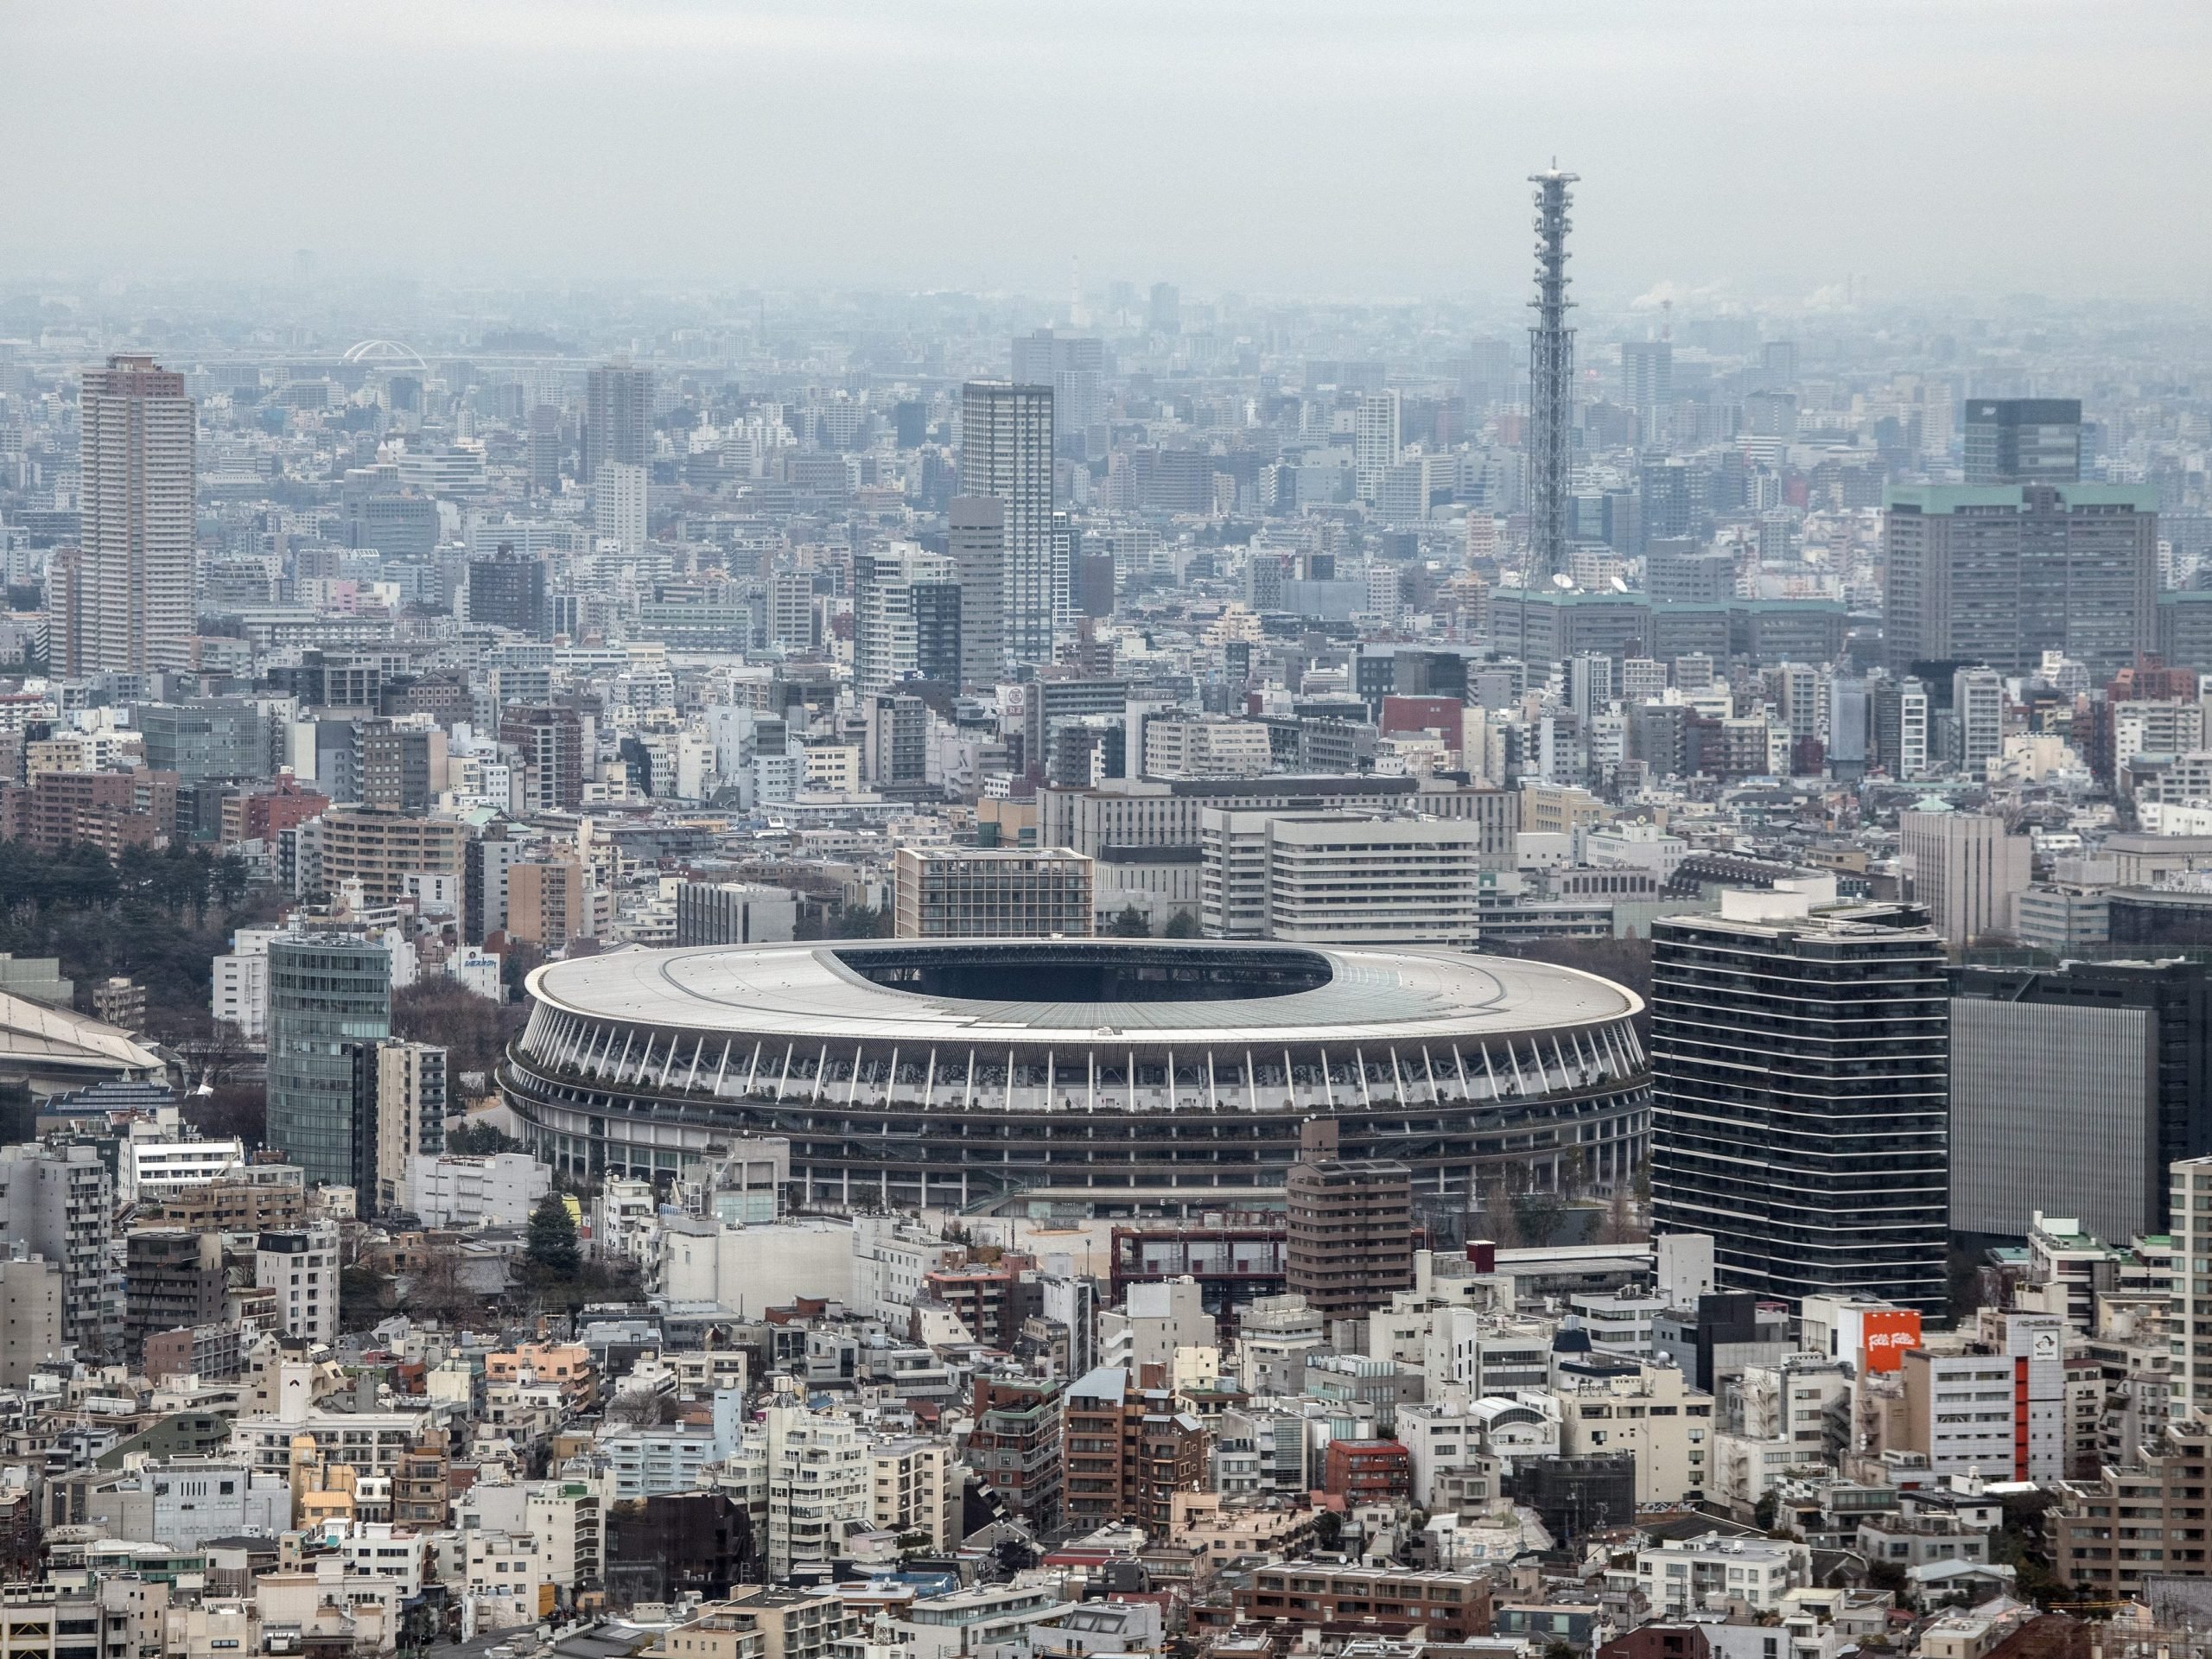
x=1129, y=924
x=1181, y=926
x=480, y=1141
x=552, y=1245
x=1539, y=1216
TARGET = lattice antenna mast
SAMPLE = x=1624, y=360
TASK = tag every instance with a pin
x=1551, y=378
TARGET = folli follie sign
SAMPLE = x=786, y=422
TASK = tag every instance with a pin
x=1886, y=1334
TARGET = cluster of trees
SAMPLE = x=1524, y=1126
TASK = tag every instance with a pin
x=159, y=917
x=473, y=1032
x=1130, y=923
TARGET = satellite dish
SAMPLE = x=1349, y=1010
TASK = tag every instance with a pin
x=1561, y=581
x=1619, y=587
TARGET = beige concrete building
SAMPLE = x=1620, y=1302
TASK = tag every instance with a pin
x=1966, y=868
x=30, y=1316
x=379, y=850
x=549, y=902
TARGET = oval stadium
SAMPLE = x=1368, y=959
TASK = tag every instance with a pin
x=1116, y=1077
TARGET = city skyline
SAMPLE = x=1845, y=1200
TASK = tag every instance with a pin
x=763, y=145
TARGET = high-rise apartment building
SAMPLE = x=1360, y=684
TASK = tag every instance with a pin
x=618, y=418
x=1130, y=1451
x=893, y=592
x=551, y=741
x=58, y=1202
x=1376, y=442
x=485, y=862
x=1015, y=1446
x=976, y=541
x=326, y=991
x=1977, y=720
x=1998, y=575
x=381, y=849
x=619, y=508
x=508, y=591
x=2189, y=1201
x=1900, y=727
x=1074, y=366
x=1006, y=452
x=1648, y=383
x=545, y=447
x=791, y=611
x=1800, y=1062
x=400, y=1086
x=549, y=902
x=2023, y=440
x=173, y=1278
x=301, y=1265
x=1349, y=1227
x=67, y=572
x=133, y=582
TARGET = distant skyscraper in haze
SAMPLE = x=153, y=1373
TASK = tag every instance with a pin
x=1374, y=441
x=2023, y=440
x=976, y=537
x=1074, y=366
x=1648, y=383
x=1006, y=451
x=544, y=448
x=618, y=418
x=133, y=585
x=1166, y=312
x=618, y=508
x=1551, y=378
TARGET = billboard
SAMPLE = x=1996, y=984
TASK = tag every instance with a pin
x=1884, y=1334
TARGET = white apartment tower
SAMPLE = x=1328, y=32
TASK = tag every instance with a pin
x=1375, y=443
x=1978, y=713
x=132, y=595
x=1006, y=451
x=618, y=506
x=886, y=631
x=2190, y=1313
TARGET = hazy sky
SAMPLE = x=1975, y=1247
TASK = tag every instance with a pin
x=1367, y=147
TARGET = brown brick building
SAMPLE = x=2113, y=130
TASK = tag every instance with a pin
x=1386, y=1601
x=1128, y=1452
x=1367, y=1471
x=1016, y=1445
x=113, y=810
x=268, y=813
x=1348, y=1239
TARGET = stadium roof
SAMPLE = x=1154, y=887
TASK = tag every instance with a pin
x=1370, y=993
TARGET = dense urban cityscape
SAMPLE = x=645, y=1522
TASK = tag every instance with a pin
x=712, y=969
